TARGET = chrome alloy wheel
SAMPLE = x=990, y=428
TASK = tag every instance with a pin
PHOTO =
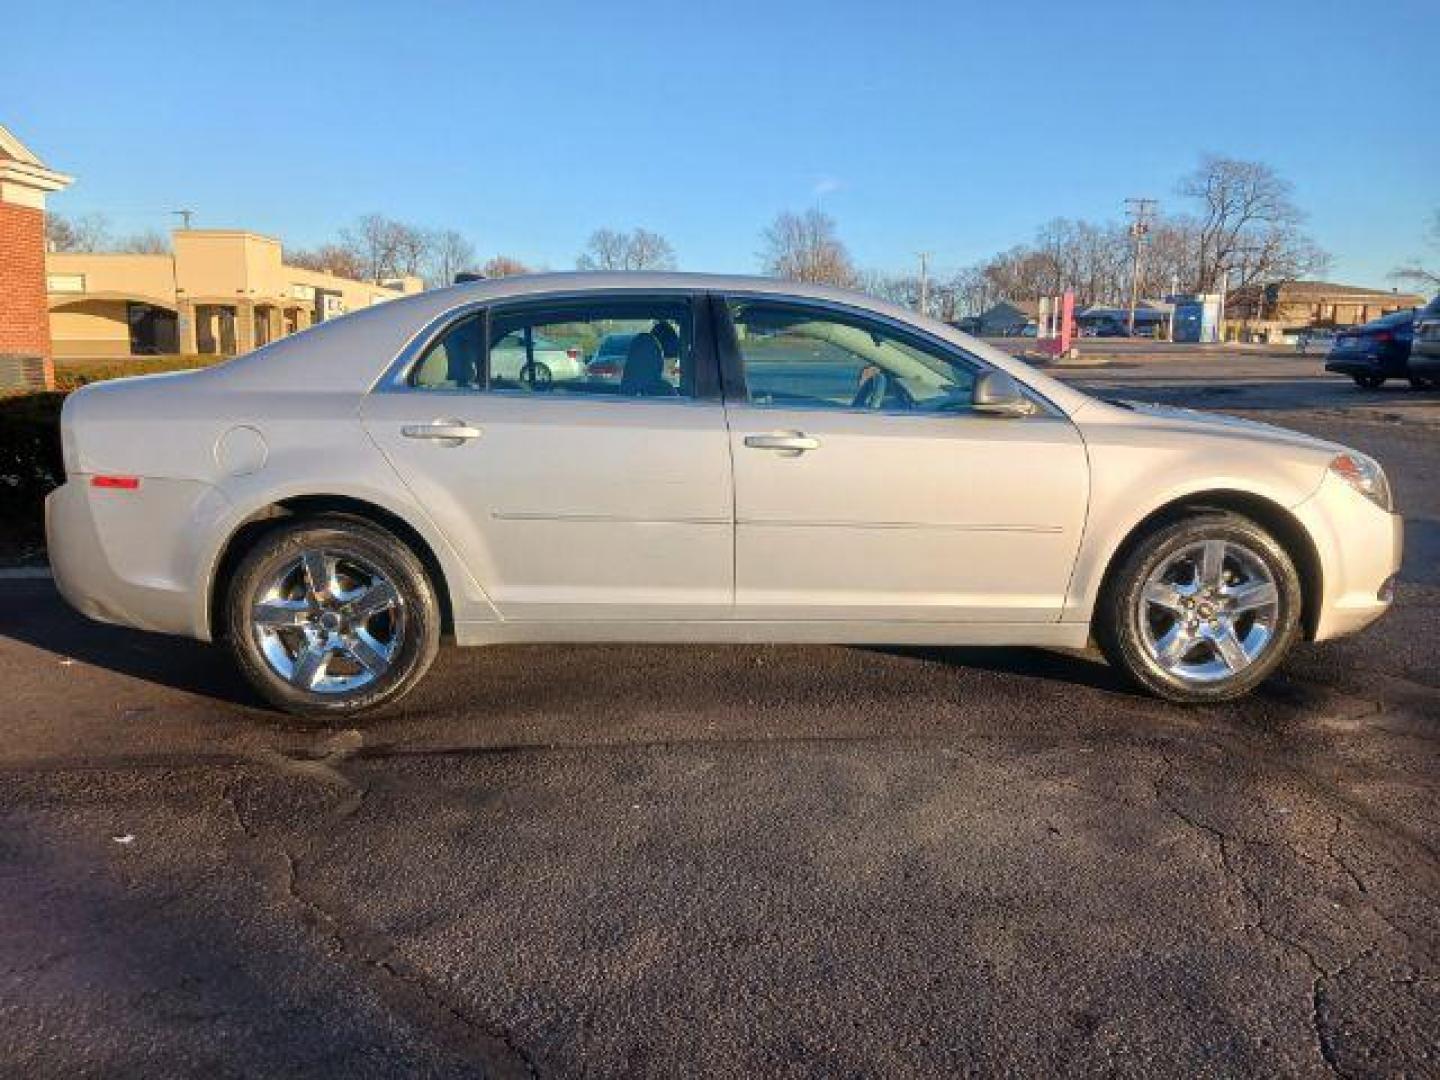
x=328, y=622
x=1208, y=611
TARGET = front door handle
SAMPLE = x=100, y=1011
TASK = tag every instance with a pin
x=789, y=442
x=446, y=432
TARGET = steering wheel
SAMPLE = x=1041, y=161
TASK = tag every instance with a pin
x=881, y=390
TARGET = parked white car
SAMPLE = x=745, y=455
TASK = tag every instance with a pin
x=818, y=467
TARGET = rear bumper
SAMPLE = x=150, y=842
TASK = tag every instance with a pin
x=135, y=558
x=1360, y=548
x=1355, y=365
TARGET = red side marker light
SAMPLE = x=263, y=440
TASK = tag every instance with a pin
x=124, y=483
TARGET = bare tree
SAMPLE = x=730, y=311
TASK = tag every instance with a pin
x=650, y=251
x=449, y=254
x=605, y=250
x=805, y=247
x=900, y=289
x=639, y=249
x=386, y=248
x=1415, y=272
x=148, y=242
x=1247, y=225
x=328, y=259
x=90, y=232
x=371, y=241
x=504, y=266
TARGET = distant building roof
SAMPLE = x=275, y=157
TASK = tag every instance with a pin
x=1025, y=307
x=1113, y=311
x=1326, y=290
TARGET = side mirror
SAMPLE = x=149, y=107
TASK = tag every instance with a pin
x=997, y=394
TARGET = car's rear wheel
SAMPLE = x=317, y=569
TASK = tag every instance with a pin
x=1201, y=609
x=537, y=374
x=1369, y=382
x=332, y=616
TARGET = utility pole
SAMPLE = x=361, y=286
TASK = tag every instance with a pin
x=1140, y=212
x=184, y=216
x=924, y=281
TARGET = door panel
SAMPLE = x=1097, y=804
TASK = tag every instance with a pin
x=570, y=494
x=573, y=509
x=866, y=488
x=953, y=518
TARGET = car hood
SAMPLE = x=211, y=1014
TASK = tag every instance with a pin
x=1201, y=422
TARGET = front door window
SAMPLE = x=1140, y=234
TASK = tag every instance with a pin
x=796, y=357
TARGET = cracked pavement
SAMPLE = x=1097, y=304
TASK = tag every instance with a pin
x=701, y=861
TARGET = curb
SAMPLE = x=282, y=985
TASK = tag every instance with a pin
x=26, y=573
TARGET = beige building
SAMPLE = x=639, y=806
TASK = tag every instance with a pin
x=1316, y=303
x=221, y=291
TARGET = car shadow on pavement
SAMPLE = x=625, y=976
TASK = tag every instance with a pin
x=1066, y=667
x=42, y=620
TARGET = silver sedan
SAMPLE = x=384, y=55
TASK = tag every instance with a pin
x=774, y=463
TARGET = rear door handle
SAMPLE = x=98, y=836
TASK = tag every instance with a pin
x=792, y=442
x=449, y=432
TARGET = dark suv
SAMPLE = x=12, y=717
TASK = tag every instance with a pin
x=1377, y=351
x=1425, y=351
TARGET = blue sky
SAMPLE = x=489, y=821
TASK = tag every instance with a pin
x=951, y=127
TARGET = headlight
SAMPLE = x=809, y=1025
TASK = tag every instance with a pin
x=1366, y=476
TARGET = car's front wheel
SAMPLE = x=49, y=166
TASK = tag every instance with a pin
x=1201, y=609
x=332, y=616
x=1420, y=382
x=1369, y=382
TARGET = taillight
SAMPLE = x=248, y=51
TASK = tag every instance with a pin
x=123, y=483
x=1383, y=336
x=573, y=354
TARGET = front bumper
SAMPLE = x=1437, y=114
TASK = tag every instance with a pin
x=137, y=558
x=1360, y=548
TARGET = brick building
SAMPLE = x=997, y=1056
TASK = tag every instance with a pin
x=25, y=354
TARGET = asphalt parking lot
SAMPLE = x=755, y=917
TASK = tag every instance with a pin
x=741, y=860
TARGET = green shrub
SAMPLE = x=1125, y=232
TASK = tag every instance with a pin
x=30, y=463
x=30, y=460
x=73, y=374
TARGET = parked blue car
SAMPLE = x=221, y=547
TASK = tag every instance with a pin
x=1377, y=351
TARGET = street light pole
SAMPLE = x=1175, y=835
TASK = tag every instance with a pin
x=924, y=282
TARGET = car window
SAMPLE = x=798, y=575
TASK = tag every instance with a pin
x=795, y=356
x=454, y=361
x=616, y=348
x=553, y=348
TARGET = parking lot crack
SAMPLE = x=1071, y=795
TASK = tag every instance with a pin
x=408, y=992
x=1319, y=1011
x=1254, y=901
x=1339, y=860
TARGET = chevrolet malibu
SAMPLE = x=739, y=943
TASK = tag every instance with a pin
x=775, y=463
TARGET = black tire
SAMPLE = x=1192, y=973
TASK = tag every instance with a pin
x=355, y=542
x=1420, y=382
x=1369, y=382
x=538, y=375
x=1117, y=626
